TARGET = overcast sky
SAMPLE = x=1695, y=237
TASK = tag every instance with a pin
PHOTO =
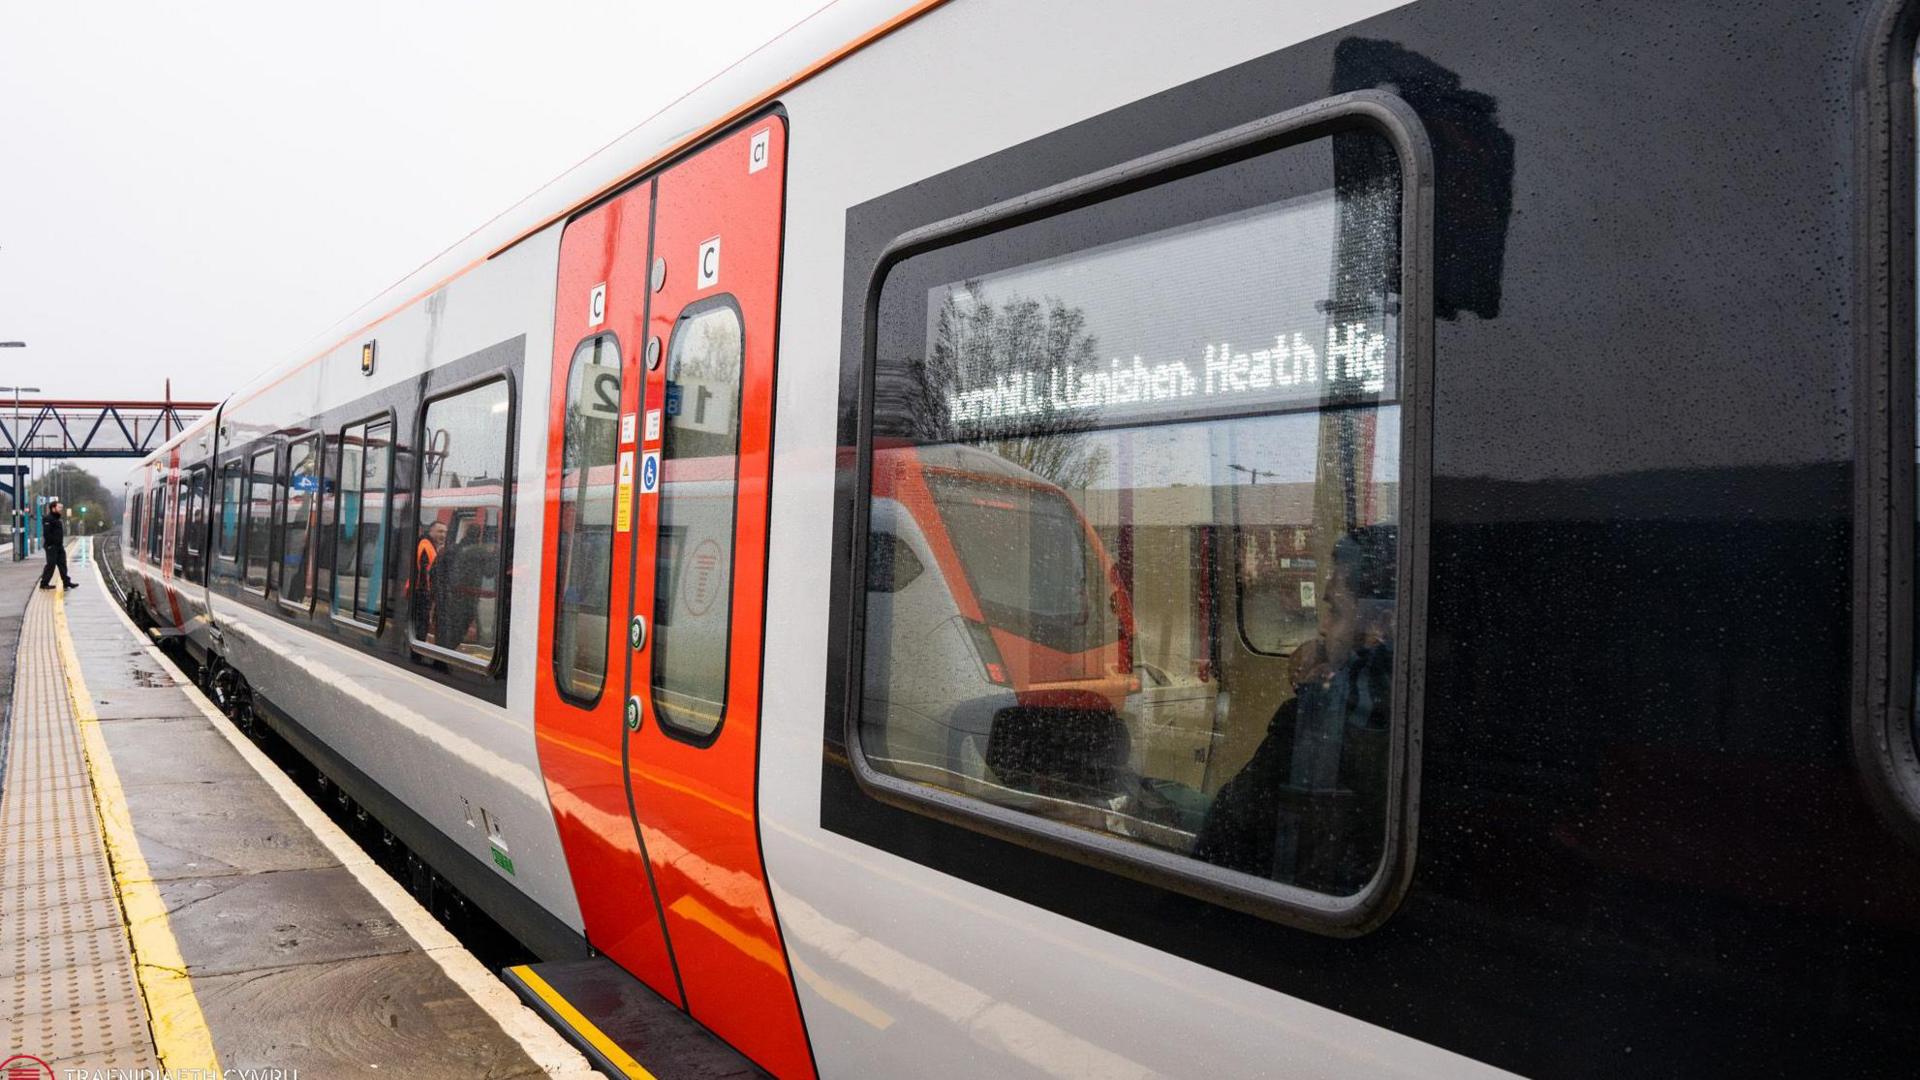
x=196, y=190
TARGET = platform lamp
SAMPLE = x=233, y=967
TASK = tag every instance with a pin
x=19, y=496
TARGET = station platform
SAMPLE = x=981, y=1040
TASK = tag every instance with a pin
x=170, y=900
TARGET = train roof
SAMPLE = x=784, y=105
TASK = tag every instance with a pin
x=810, y=46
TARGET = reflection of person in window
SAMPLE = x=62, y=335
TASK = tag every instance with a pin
x=1308, y=808
x=458, y=581
x=425, y=554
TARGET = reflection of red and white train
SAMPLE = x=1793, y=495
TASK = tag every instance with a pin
x=1012, y=608
x=754, y=572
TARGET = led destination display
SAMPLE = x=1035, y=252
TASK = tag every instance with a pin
x=1277, y=308
x=1352, y=362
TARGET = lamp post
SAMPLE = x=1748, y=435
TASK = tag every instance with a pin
x=19, y=519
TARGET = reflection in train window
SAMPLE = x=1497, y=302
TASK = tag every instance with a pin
x=134, y=520
x=227, y=528
x=1154, y=484
x=259, y=515
x=892, y=564
x=584, y=552
x=455, y=590
x=360, y=529
x=693, y=589
x=299, y=491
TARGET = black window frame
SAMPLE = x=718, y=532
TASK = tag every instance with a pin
x=352, y=613
x=918, y=834
x=136, y=506
x=271, y=451
x=231, y=466
x=723, y=301
x=156, y=522
x=503, y=625
x=283, y=499
x=1885, y=742
x=188, y=560
x=562, y=685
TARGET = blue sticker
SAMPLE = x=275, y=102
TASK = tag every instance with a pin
x=649, y=472
x=673, y=399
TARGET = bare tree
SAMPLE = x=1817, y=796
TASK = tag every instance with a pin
x=976, y=342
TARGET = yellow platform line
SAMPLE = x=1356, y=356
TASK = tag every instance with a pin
x=564, y=1009
x=180, y=1035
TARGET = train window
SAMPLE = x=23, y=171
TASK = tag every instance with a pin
x=182, y=499
x=693, y=589
x=187, y=554
x=360, y=520
x=1133, y=570
x=157, y=521
x=259, y=514
x=299, y=493
x=227, y=531
x=134, y=521
x=458, y=569
x=584, y=562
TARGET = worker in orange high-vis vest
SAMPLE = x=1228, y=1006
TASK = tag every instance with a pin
x=424, y=555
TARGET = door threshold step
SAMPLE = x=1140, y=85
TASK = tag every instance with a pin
x=622, y=1025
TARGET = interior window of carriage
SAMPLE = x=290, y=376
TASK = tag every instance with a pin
x=1133, y=517
x=360, y=529
x=693, y=586
x=583, y=556
x=227, y=528
x=456, y=582
x=299, y=487
x=258, y=537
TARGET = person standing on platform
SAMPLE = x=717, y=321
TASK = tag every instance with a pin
x=53, y=530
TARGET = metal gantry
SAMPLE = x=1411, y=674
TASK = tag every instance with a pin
x=76, y=428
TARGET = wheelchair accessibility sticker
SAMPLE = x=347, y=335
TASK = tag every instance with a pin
x=650, y=472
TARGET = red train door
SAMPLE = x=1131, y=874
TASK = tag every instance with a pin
x=598, y=335
x=648, y=694
x=694, y=678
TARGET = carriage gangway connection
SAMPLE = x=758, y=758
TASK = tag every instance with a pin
x=172, y=904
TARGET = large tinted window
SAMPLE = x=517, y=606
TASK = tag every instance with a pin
x=1145, y=455
x=227, y=525
x=299, y=502
x=157, y=520
x=693, y=588
x=134, y=521
x=455, y=589
x=259, y=514
x=360, y=533
x=588, y=485
x=188, y=555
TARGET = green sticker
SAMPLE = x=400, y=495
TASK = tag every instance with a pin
x=501, y=860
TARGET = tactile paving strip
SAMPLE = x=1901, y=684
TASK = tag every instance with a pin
x=67, y=989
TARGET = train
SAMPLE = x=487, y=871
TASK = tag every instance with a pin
x=1238, y=539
